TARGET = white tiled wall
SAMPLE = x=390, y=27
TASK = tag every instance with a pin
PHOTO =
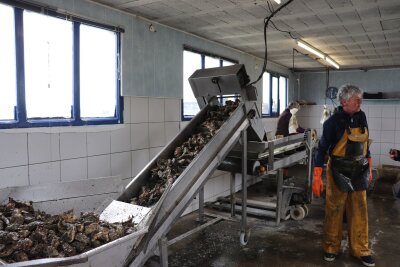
x=37, y=157
x=34, y=158
x=383, y=122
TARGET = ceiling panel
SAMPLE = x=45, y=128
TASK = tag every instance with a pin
x=352, y=32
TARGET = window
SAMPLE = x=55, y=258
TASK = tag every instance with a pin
x=8, y=89
x=274, y=97
x=192, y=61
x=48, y=68
x=57, y=70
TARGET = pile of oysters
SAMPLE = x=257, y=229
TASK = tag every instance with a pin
x=27, y=234
x=168, y=170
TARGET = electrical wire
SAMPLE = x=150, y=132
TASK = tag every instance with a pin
x=266, y=21
x=271, y=10
x=276, y=28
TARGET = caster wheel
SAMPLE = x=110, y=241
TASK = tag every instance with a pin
x=297, y=213
x=244, y=238
x=307, y=210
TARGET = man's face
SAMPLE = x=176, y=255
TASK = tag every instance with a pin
x=352, y=105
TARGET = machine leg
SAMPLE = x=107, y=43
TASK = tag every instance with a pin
x=309, y=168
x=201, y=205
x=244, y=233
x=163, y=248
x=279, y=194
x=233, y=199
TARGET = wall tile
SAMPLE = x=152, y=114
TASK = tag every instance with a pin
x=43, y=147
x=74, y=170
x=156, y=134
x=385, y=159
x=172, y=109
x=398, y=111
x=183, y=124
x=156, y=109
x=99, y=166
x=139, y=109
x=139, y=160
x=127, y=110
x=375, y=135
x=49, y=172
x=376, y=160
x=388, y=124
x=397, y=137
x=397, y=124
x=139, y=136
x=73, y=145
x=98, y=143
x=15, y=176
x=387, y=136
x=171, y=130
x=375, y=111
x=366, y=110
x=13, y=150
x=375, y=148
x=121, y=164
x=375, y=123
x=385, y=148
x=388, y=111
x=154, y=151
x=121, y=139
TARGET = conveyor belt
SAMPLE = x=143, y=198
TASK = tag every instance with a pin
x=191, y=180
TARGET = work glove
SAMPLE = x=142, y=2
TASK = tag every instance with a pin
x=317, y=185
x=370, y=169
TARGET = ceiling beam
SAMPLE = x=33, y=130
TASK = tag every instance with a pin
x=314, y=27
x=130, y=4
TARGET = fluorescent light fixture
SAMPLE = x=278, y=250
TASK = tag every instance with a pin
x=310, y=49
x=278, y=1
x=319, y=54
x=333, y=63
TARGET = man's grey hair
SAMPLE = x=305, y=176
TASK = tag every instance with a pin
x=347, y=91
x=294, y=104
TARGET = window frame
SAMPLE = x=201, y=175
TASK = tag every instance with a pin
x=203, y=55
x=278, y=112
x=20, y=112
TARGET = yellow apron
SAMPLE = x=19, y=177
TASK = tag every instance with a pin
x=355, y=204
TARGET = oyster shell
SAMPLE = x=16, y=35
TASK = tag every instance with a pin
x=27, y=234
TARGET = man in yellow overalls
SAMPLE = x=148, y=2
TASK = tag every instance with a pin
x=345, y=138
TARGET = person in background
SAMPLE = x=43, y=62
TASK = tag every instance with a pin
x=345, y=139
x=394, y=154
x=287, y=122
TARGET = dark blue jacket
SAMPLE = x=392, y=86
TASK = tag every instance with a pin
x=333, y=130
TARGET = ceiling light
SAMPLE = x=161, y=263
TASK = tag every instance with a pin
x=333, y=63
x=310, y=49
x=316, y=52
x=278, y=1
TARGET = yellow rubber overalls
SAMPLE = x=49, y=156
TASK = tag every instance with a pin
x=355, y=202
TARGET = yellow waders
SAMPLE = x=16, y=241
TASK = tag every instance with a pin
x=355, y=204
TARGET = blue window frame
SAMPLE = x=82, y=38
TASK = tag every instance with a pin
x=63, y=70
x=192, y=61
x=274, y=97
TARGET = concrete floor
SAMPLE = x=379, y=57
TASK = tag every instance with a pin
x=292, y=243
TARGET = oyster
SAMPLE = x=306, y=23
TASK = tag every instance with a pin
x=26, y=234
x=168, y=170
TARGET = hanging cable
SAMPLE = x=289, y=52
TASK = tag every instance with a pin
x=266, y=21
x=327, y=82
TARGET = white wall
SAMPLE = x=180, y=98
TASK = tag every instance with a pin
x=383, y=122
x=43, y=156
